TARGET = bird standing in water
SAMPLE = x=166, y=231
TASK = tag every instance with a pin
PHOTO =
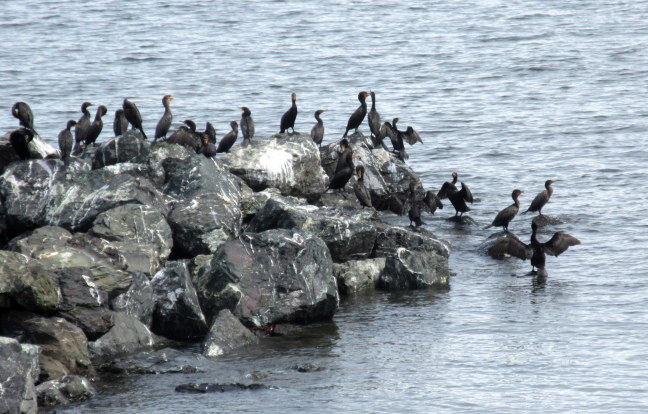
x=507, y=214
x=289, y=117
x=542, y=198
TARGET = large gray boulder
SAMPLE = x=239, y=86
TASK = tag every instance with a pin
x=288, y=162
x=17, y=392
x=27, y=284
x=355, y=276
x=270, y=277
x=349, y=234
x=227, y=333
x=128, y=335
x=130, y=147
x=138, y=302
x=177, y=313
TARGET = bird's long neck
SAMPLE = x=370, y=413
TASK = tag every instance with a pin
x=373, y=103
x=319, y=120
x=516, y=202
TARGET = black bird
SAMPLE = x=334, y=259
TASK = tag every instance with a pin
x=96, y=126
x=317, y=132
x=210, y=133
x=386, y=130
x=448, y=187
x=541, y=199
x=432, y=201
x=163, y=125
x=459, y=198
x=535, y=251
x=187, y=136
x=396, y=137
x=229, y=139
x=411, y=136
x=120, y=124
x=507, y=214
x=133, y=115
x=344, y=174
x=23, y=112
x=358, y=115
x=364, y=197
x=208, y=148
x=65, y=141
x=413, y=205
x=342, y=161
x=247, y=125
x=373, y=119
x=84, y=126
x=19, y=140
x=288, y=118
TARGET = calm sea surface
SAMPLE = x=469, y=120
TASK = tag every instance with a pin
x=506, y=93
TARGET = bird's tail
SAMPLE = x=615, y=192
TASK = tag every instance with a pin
x=487, y=227
x=143, y=133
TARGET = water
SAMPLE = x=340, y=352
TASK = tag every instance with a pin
x=507, y=93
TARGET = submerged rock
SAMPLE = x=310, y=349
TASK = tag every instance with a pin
x=204, y=387
x=163, y=361
x=17, y=391
x=226, y=333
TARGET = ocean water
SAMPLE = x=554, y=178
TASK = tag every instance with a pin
x=506, y=93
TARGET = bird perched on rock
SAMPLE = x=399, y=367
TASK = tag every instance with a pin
x=247, y=125
x=342, y=160
x=364, y=197
x=344, y=172
x=84, y=126
x=65, y=141
x=289, y=117
x=120, y=123
x=542, y=198
x=448, y=187
x=133, y=115
x=536, y=250
x=210, y=133
x=459, y=198
x=96, y=126
x=396, y=137
x=317, y=132
x=413, y=205
x=19, y=140
x=373, y=119
x=163, y=125
x=187, y=136
x=358, y=115
x=24, y=114
x=432, y=202
x=229, y=139
x=208, y=148
x=507, y=214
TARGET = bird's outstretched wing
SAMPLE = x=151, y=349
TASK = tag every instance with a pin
x=559, y=243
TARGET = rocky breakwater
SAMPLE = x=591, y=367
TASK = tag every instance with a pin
x=137, y=244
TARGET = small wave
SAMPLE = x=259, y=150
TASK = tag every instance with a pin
x=516, y=38
x=140, y=59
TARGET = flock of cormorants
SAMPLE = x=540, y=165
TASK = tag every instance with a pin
x=87, y=132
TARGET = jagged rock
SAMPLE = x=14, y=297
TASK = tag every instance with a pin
x=27, y=283
x=349, y=234
x=391, y=238
x=288, y=162
x=270, y=277
x=38, y=148
x=163, y=361
x=65, y=390
x=17, y=392
x=177, y=313
x=83, y=303
x=207, y=387
x=128, y=335
x=64, y=347
x=138, y=302
x=355, y=276
x=128, y=147
x=226, y=333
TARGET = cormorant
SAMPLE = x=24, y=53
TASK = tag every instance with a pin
x=163, y=125
x=448, y=187
x=65, y=141
x=187, y=136
x=133, y=115
x=432, y=201
x=19, y=140
x=413, y=207
x=96, y=126
x=396, y=137
x=359, y=115
x=23, y=112
x=82, y=129
x=342, y=161
x=459, y=198
x=317, y=132
x=120, y=124
x=208, y=148
x=411, y=136
x=373, y=119
x=229, y=139
x=247, y=125
x=288, y=118
x=505, y=216
x=535, y=251
x=364, y=197
x=344, y=174
x=210, y=133
x=541, y=199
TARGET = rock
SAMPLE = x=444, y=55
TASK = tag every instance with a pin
x=270, y=277
x=64, y=390
x=130, y=147
x=355, y=276
x=163, y=361
x=38, y=148
x=226, y=333
x=177, y=313
x=17, y=392
x=308, y=367
x=27, y=283
x=349, y=234
x=204, y=387
x=542, y=220
x=138, y=302
x=64, y=347
x=83, y=303
x=390, y=238
x=288, y=162
x=127, y=336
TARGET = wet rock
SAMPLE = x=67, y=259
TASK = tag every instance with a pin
x=65, y=390
x=129, y=147
x=391, y=238
x=177, y=313
x=348, y=234
x=64, y=347
x=204, y=387
x=270, y=277
x=128, y=335
x=138, y=302
x=542, y=220
x=288, y=162
x=355, y=276
x=226, y=333
x=163, y=361
x=27, y=284
x=17, y=393
x=307, y=367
